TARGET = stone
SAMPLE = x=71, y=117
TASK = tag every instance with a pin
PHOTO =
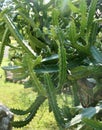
x=6, y=117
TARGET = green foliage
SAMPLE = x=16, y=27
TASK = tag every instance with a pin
x=97, y=55
x=55, y=41
x=73, y=33
x=91, y=13
x=37, y=84
x=83, y=21
x=85, y=71
x=5, y=38
x=62, y=60
x=94, y=124
x=18, y=36
x=86, y=113
x=52, y=101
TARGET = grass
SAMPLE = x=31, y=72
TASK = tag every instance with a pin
x=13, y=95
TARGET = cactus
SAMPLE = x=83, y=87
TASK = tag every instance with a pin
x=32, y=110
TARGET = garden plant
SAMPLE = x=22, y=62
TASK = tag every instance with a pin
x=58, y=48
